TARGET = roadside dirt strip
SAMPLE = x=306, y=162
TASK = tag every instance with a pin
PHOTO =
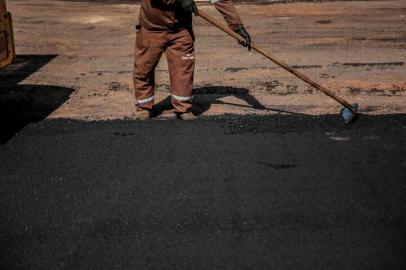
x=357, y=49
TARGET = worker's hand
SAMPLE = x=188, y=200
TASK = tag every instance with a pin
x=189, y=6
x=242, y=32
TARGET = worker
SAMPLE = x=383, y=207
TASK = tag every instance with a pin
x=166, y=26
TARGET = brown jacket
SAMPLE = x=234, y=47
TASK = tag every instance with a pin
x=167, y=15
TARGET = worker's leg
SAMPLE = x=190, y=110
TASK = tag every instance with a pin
x=148, y=50
x=181, y=63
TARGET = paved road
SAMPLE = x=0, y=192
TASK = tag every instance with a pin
x=275, y=192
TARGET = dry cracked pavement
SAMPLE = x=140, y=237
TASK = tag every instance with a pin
x=267, y=178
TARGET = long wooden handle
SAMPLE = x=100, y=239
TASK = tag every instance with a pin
x=276, y=61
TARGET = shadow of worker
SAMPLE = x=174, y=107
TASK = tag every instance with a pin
x=205, y=96
x=21, y=104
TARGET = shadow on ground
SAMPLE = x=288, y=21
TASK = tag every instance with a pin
x=205, y=96
x=21, y=104
x=22, y=67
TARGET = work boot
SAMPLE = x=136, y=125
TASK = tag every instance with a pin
x=142, y=115
x=186, y=116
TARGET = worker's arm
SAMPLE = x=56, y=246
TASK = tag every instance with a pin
x=230, y=14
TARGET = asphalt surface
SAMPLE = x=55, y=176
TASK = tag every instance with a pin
x=274, y=192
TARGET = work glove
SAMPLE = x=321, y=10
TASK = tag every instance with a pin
x=242, y=32
x=189, y=6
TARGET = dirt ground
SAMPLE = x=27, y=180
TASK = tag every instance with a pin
x=357, y=49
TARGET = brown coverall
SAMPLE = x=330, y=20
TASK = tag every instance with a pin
x=165, y=28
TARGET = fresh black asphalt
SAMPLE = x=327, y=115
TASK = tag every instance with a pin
x=275, y=192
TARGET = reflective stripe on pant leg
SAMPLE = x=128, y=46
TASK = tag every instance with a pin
x=145, y=100
x=182, y=98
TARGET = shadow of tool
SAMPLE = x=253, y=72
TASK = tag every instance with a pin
x=21, y=104
x=204, y=97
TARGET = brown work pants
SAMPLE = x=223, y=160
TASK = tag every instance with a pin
x=179, y=51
